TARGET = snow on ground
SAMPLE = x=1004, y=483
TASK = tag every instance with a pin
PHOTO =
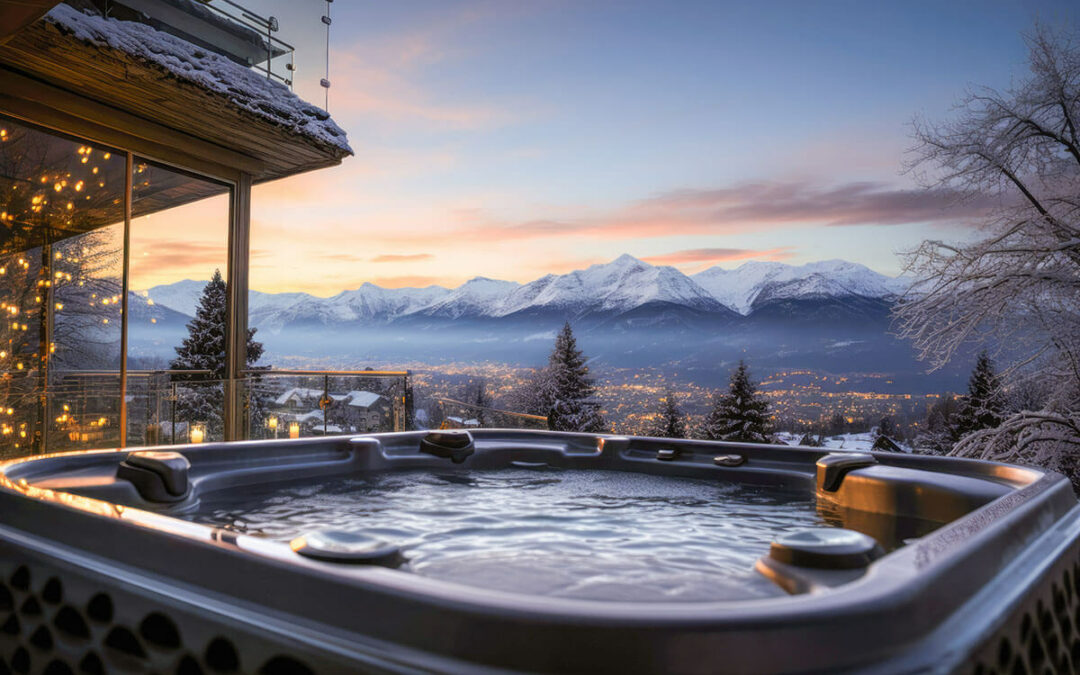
x=244, y=87
x=861, y=442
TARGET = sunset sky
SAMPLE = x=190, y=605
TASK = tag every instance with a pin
x=513, y=138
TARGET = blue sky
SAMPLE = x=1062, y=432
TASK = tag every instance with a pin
x=510, y=139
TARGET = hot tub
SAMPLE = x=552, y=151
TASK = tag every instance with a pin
x=533, y=552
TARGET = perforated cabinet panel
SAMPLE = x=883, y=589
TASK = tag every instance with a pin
x=59, y=621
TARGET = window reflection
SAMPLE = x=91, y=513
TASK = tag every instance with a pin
x=61, y=211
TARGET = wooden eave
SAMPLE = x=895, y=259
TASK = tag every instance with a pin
x=48, y=74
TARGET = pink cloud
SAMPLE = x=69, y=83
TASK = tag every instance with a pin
x=703, y=255
x=747, y=207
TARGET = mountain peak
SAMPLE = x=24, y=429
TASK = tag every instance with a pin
x=627, y=261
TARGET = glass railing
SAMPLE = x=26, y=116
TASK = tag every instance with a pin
x=454, y=414
x=81, y=410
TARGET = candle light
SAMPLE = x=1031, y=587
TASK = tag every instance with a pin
x=272, y=425
x=294, y=430
x=197, y=433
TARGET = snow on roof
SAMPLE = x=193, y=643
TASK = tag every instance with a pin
x=314, y=415
x=306, y=393
x=362, y=399
x=244, y=87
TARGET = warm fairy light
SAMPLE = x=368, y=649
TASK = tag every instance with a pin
x=153, y=320
x=58, y=187
x=104, y=321
x=107, y=155
x=94, y=170
x=79, y=186
x=19, y=365
x=59, y=306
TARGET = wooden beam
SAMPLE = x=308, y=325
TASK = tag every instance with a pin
x=18, y=14
x=236, y=309
x=37, y=101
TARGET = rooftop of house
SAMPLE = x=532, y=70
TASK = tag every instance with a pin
x=168, y=82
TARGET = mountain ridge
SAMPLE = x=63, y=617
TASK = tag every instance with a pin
x=607, y=289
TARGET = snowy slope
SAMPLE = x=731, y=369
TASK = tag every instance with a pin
x=752, y=282
x=182, y=296
x=619, y=286
x=479, y=296
x=372, y=302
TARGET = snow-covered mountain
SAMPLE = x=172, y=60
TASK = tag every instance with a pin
x=758, y=282
x=621, y=286
x=624, y=284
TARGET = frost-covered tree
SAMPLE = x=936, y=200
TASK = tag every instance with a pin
x=983, y=406
x=1017, y=288
x=741, y=414
x=939, y=432
x=670, y=423
x=567, y=390
x=887, y=428
x=204, y=349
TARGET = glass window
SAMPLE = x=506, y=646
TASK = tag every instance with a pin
x=177, y=322
x=62, y=214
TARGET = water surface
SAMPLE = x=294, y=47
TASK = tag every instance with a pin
x=603, y=535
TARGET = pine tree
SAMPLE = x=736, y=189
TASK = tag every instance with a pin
x=940, y=431
x=740, y=415
x=886, y=428
x=478, y=399
x=671, y=423
x=204, y=349
x=568, y=391
x=982, y=408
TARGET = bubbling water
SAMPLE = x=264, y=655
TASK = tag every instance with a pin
x=601, y=535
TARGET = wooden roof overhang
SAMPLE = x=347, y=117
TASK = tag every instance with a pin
x=50, y=77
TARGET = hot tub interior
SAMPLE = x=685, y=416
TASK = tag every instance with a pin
x=604, y=535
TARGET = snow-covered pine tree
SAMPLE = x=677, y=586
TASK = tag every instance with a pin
x=939, y=434
x=740, y=415
x=204, y=349
x=568, y=390
x=671, y=423
x=887, y=428
x=983, y=406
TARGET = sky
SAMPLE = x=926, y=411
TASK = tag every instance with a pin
x=514, y=138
